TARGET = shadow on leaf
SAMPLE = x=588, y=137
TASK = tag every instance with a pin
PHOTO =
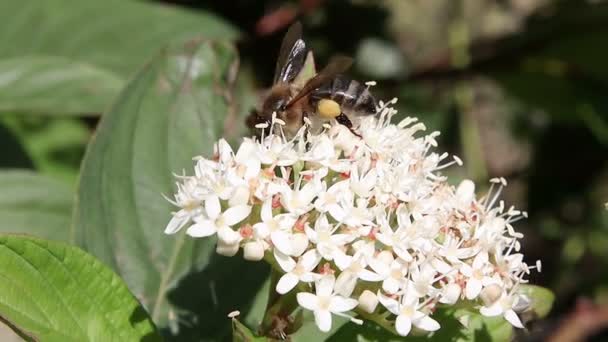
x=204, y=299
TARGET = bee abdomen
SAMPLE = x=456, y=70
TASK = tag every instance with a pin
x=352, y=96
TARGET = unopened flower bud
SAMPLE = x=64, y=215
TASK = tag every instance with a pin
x=490, y=294
x=227, y=249
x=227, y=236
x=299, y=243
x=253, y=251
x=465, y=192
x=368, y=301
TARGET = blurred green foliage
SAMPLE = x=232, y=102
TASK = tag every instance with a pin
x=517, y=88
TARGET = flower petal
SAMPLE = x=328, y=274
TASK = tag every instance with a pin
x=285, y=261
x=380, y=267
x=473, y=288
x=280, y=239
x=178, y=221
x=323, y=320
x=325, y=285
x=342, y=304
x=403, y=325
x=491, y=311
x=236, y=214
x=266, y=212
x=202, y=229
x=287, y=282
x=390, y=285
x=368, y=275
x=511, y=316
x=345, y=283
x=307, y=300
x=389, y=303
x=310, y=260
x=427, y=323
x=261, y=230
x=213, y=207
x=480, y=260
x=299, y=243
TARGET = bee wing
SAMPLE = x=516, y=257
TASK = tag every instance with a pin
x=336, y=66
x=291, y=56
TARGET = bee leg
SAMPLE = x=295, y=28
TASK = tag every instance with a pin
x=344, y=120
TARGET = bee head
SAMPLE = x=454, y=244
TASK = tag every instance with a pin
x=277, y=100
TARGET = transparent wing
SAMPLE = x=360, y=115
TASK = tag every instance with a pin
x=291, y=56
x=336, y=66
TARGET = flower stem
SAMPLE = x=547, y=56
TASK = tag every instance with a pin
x=378, y=319
x=278, y=308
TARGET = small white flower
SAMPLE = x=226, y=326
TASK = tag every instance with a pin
x=393, y=274
x=327, y=243
x=503, y=306
x=476, y=275
x=453, y=251
x=325, y=302
x=190, y=204
x=408, y=313
x=299, y=201
x=362, y=185
x=274, y=151
x=352, y=212
x=353, y=268
x=216, y=220
x=296, y=272
x=276, y=228
x=328, y=200
x=422, y=280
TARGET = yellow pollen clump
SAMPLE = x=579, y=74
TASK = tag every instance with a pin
x=328, y=109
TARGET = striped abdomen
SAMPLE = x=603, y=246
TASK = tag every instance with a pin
x=354, y=98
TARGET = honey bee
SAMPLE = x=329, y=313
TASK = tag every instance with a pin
x=328, y=95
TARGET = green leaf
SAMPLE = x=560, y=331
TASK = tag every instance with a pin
x=541, y=299
x=78, y=54
x=59, y=85
x=34, y=204
x=173, y=110
x=51, y=291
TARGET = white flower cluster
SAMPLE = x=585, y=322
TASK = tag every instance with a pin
x=354, y=222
